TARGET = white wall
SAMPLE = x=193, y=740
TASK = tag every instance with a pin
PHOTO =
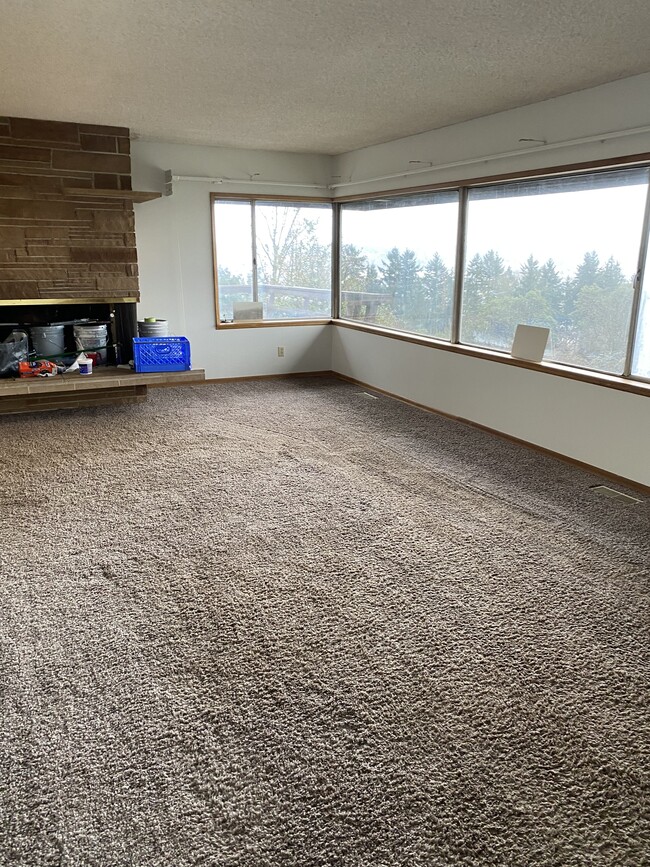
x=175, y=256
x=600, y=426
x=620, y=105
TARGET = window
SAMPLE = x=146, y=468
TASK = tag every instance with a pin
x=567, y=252
x=560, y=253
x=397, y=262
x=275, y=253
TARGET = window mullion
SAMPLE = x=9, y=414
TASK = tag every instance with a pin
x=254, y=252
x=460, y=265
x=336, y=260
x=638, y=287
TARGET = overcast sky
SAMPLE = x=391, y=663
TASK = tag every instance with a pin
x=559, y=226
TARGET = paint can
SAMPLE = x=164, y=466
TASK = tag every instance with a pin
x=85, y=366
x=94, y=337
x=153, y=328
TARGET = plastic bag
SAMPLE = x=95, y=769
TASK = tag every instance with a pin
x=12, y=350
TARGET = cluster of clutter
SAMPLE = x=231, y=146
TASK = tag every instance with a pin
x=64, y=347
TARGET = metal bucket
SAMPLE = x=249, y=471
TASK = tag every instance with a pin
x=48, y=339
x=93, y=338
x=157, y=328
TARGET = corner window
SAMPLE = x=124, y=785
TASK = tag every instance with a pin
x=273, y=260
x=397, y=262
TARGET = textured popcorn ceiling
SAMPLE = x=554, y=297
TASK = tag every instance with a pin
x=322, y=76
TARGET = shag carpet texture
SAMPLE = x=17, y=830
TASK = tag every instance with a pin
x=289, y=624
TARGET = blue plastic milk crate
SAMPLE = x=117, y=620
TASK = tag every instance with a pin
x=161, y=354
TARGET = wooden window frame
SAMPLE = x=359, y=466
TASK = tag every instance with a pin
x=626, y=383
x=266, y=323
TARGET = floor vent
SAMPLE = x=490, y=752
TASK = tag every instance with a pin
x=614, y=495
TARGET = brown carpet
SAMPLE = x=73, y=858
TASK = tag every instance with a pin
x=284, y=623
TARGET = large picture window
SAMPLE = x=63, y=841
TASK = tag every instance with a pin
x=397, y=262
x=273, y=259
x=466, y=265
x=560, y=253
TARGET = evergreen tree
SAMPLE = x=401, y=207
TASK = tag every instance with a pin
x=587, y=272
x=601, y=314
x=611, y=275
x=553, y=286
x=530, y=277
x=390, y=271
x=400, y=276
x=372, y=281
x=437, y=293
x=487, y=298
x=586, y=275
x=602, y=318
x=494, y=268
x=354, y=266
x=533, y=308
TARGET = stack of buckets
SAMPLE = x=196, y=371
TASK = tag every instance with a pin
x=153, y=328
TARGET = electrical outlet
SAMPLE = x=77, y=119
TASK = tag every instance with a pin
x=280, y=351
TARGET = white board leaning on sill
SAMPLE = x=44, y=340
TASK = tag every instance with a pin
x=529, y=343
x=246, y=310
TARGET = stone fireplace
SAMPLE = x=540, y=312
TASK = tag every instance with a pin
x=68, y=249
x=67, y=228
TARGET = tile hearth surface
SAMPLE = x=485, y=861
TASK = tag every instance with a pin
x=108, y=377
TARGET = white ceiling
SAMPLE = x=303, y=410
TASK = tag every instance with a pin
x=322, y=76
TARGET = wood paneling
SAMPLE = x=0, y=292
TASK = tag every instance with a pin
x=58, y=239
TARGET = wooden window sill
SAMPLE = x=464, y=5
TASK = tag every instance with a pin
x=271, y=323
